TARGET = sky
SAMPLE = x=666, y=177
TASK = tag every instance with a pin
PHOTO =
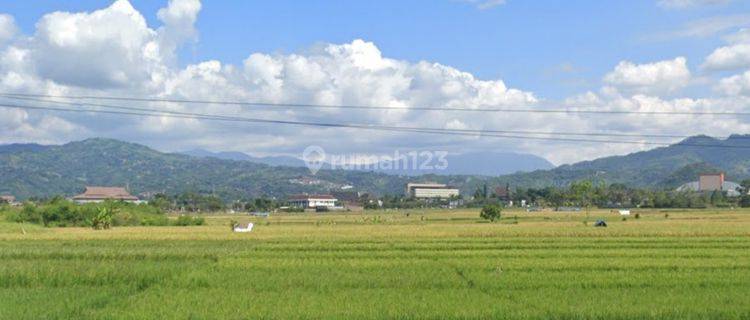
x=650, y=55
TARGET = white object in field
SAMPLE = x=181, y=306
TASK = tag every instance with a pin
x=624, y=212
x=241, y=229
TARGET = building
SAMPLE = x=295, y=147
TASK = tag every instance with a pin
x=351, y=200
x=7, y=199
x=99, y=194
x=503, y=192
x=347, y=197
x=312, y=201
x=430, y=191
x=710, y=183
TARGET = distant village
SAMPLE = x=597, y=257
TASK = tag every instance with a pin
x=710, y=189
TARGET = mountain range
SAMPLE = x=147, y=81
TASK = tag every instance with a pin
x=30, y=170
x=487, y=164
x=240, y=156
x=663, y=167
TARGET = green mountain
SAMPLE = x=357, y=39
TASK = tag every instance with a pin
x=664, y=167
x=40, y=171
x=68, y=168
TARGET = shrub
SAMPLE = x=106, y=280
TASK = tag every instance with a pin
x=27, y=214
x=491, y=212
x=745, y=201
x=186, y=220
x=199, y=221
x=154, y=220
x=103, y=219
x=62, y=213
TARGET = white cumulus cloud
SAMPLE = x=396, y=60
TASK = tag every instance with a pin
x=657, y=77
x=729, y=57
x=179, y=24
x=735, y=85
x=8, y=28
x=735, y=55
x=113, y=51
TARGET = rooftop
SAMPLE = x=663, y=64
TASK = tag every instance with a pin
x=116, y=193
x=312, y=196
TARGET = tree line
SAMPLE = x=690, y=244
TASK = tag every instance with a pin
x=589, y=194
x=60, y=212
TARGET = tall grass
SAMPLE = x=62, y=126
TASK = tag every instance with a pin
x=694, y=265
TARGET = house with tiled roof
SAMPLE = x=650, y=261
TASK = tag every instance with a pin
x=7, y=199
x=99, y=194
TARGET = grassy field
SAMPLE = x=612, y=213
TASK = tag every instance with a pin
x=399, y=264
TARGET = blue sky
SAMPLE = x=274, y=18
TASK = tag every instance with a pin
x=554, y=48
x=649, y=55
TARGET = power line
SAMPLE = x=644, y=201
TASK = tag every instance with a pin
x=602, y=134
x=406, y=108
x=361, y=126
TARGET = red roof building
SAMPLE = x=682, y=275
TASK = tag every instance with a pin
x=7, y=198
x=99, y=194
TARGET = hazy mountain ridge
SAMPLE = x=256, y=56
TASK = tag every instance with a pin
x=476, y=163
x=652, y=168
x=20, y=147
x=32, y=170
x=240, y=156
x=66, y=169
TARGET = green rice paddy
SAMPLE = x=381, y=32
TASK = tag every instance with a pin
x=398, y=264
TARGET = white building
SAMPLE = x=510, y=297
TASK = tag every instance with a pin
x=312, y=201
x=430, y=190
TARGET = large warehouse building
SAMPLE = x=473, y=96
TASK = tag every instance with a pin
x=430, y=190
x=712, y=182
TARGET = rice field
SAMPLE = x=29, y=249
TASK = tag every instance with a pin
x=397, y=264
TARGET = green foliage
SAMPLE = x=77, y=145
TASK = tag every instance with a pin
x=587, y=194
x=481, y=192
x=491, y=212
x=103, y=218
x=161, y=201
x=186, y=220
x=745, y=201
x=261, y=204
x=745, y=185
x=59, y=212
x=194, y=202
x=154, y=220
